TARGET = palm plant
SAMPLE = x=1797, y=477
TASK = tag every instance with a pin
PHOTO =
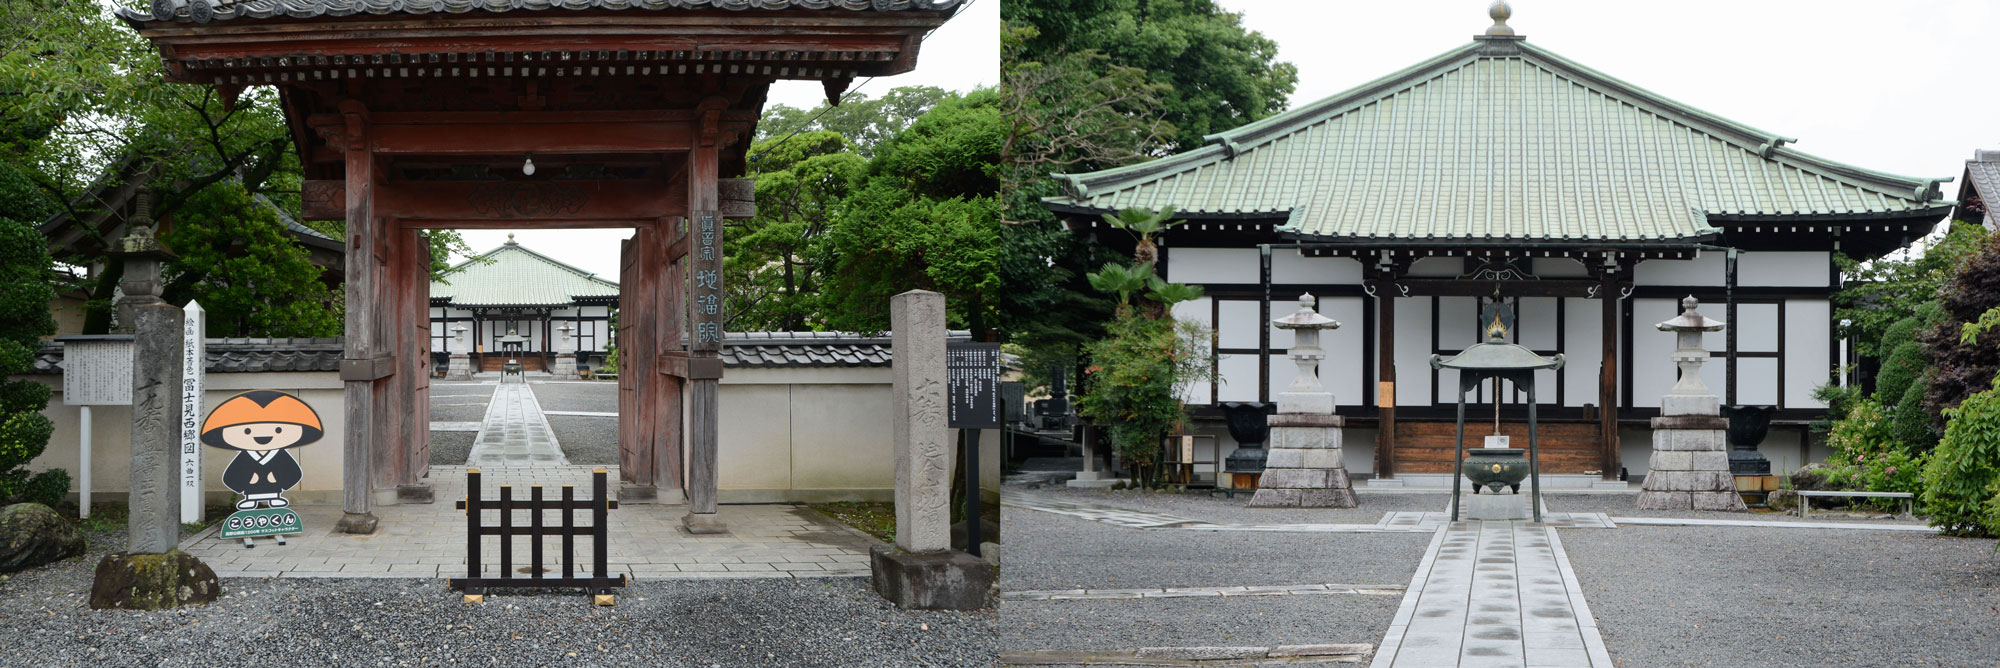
x=1144, y=224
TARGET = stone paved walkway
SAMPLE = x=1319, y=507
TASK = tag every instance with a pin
x=1493, y=594
x=646, y=541
x=515, y=432
x=1392, y=522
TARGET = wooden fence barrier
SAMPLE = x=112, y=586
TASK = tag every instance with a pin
x=599, y=583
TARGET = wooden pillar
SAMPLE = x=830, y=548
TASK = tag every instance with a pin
x=1385, y=374
x=668, y=437
x=638, y=361
x=705, y=228
x=357, y=372
x=629, y=474
x=1607, y=380
x=416, y=367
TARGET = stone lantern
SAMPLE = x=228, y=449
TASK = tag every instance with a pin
x=460, y=367
x=1689, y=469
x=1305, y=466
x=565, y=353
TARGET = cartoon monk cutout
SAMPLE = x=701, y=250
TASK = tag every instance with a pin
x=259, y=425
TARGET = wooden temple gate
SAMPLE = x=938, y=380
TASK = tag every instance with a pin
x=409, y=118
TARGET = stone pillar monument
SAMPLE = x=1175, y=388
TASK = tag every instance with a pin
x=565, y=366
x=1689, y=469
x=1306, y=467
x=152, y=573
x=461, y=360
x=922, y=571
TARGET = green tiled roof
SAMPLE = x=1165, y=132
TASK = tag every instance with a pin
x=1500, y=141
x=512, y=275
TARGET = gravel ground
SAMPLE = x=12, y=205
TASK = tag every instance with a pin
x=1624, y=505
x=459, y=402
x=451, y=448
x=831, y=622
x=1180, y=622
x=1049, y=551
x=587, y=440
x=1224, y=510
x=601, y=396
x=1793, y=597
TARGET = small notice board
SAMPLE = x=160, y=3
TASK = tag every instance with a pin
x=972, y=372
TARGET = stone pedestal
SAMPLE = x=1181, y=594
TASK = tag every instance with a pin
x=565, y=366
x=1689, y=469
x=460, y=368
x=1091, y=477
x=1496, y=507
x=1306, y=466
x=948, y=580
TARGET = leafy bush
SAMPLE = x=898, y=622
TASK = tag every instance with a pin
x=1134, y=384
x=24, y=317
x=1960, y=478
x=1910, y=424
x=1961, y=367
x=1869, y=455
x=1900, y=370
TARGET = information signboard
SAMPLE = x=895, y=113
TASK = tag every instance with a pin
x=972, y=373
x=97, y=370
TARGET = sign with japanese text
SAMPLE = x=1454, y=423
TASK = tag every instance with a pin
x=705, y=281
x=193, y=350
x=972, y=381
x=260, y=425
x=97, y=371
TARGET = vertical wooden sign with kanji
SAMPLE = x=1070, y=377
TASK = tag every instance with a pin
x=705, y=282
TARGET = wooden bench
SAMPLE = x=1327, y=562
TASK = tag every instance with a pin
x=1806, y=496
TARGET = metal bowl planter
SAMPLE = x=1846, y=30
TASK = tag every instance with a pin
x=1748, y=425
x=1249, y=424
x=1496, y=468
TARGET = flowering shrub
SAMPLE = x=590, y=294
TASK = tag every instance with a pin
x=1869, y=456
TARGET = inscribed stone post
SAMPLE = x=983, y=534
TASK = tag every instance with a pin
x=155, y=499
x=922, y=438
x=1689, y=469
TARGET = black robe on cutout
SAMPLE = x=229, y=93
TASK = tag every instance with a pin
x=245, y=468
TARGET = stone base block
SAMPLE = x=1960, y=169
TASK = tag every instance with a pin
x=1691, y=440
x=1306, y=458
x=1495, y=507
x=1305, y=438
x=459, y=369
x=1690, y=404
x=415, y=494
x=152, y=581
x=1304, y=488
x=1311, y=403
x=1384, y=483
x=704, y=523
x=565, y=367
x=1661, y=500
x=359, y=523
x=1690, y=481
x=948, y=580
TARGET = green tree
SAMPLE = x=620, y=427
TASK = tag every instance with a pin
x=24, y=318
x=865, y=122
x=1881, y=292
x=926, y=215
x=776, y=260
x=1221, y=75
x=235, y=258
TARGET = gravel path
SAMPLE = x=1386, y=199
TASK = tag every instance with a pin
x=1743, y=596
x=587, y=440
x=459, y=402
x=833, y=622
x=579, y=396
x=451, y=448
x=1224, y=510
x=1256, y=620
x=1624, y=505
x=1049, y=551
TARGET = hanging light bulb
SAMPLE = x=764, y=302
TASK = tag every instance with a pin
x=528, y=167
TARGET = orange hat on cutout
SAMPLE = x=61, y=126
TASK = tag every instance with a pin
x=258, y=406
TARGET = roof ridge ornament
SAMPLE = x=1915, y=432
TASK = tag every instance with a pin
x=1500, y=11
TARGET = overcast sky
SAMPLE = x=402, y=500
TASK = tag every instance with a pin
x=1899, y=86
x=961, y=56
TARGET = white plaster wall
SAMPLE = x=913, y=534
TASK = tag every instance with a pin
x=1213, y=265
x=1558, y=267
x=1437, y=267
x=1583, y=350
x=1808, y=344
x=1346, y=357
x=1709, y=268
x=1238, y=375
x=1200, y=312
x=1288, y=266
x=1413, y=351
x=1804, y=269
x=1238, y=323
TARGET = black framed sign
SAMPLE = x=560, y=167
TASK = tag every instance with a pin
x=972, y=373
